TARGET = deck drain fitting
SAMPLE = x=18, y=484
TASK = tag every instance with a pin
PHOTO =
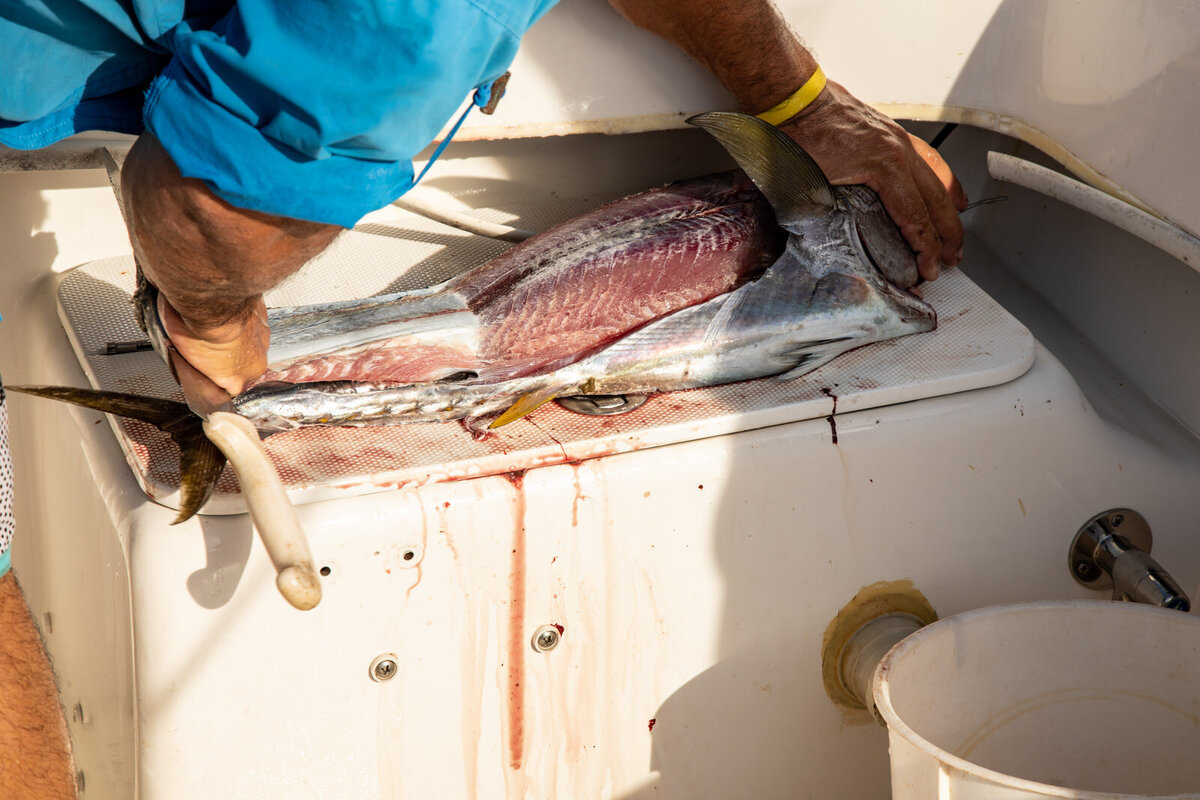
x=384, y=668
x=602, y=405
x=861, y=634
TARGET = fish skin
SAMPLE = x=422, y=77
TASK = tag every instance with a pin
x=750, y=306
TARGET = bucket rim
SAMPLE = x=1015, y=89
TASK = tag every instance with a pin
x=883, y=702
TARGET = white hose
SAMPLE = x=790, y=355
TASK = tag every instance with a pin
x=1163, y=235
x=271, y=511
x=866, y=649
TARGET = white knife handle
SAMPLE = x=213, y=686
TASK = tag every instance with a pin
x=270, y=510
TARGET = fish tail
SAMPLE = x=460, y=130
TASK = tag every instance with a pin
x=200, y=462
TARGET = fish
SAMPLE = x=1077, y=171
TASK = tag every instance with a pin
x=764, y=271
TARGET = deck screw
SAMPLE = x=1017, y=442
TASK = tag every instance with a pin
x=545, y=638
x=384, y=667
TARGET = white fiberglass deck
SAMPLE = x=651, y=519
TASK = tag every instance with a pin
x=977, y=344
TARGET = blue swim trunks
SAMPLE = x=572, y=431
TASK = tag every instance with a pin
x=311, y=109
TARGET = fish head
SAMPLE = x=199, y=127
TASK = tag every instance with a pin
x=831, y=230
x=850, y=285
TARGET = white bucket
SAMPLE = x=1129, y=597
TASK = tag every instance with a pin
x=1087, y=700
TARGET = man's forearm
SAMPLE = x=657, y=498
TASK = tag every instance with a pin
x=746, y=45
x=35, y=754
x=749, y=48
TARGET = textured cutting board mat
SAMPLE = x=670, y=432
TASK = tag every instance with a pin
x=977, y=344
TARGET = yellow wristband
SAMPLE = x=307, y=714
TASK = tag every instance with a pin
x=799, y=100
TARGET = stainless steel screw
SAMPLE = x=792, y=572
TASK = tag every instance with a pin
x=545, y=638
x=384, y=667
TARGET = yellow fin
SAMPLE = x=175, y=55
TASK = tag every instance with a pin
x=526, y=404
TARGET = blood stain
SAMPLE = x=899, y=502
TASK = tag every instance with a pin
x=516, y=628
x=652, y=721
x=832, y=423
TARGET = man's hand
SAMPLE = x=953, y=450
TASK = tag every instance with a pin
x=853, y=143
x=749, y=48
x=211, y=263
x=216, y=363
x=33, y=735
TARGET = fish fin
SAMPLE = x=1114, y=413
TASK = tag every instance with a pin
x=811, y=355
x=782, y=170
x=155, y=410
x=200, y=466
x=200, y=462
x=527, y=404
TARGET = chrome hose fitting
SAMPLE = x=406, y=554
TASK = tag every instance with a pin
x=1113, y=550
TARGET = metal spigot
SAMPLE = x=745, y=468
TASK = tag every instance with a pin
x=1113, y=550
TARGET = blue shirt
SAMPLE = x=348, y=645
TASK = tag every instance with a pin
x=303, y=108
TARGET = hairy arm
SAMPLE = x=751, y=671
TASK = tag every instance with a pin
x=211, y=263
x=749, y=48
x=35, y=752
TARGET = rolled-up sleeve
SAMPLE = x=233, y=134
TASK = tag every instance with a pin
x=315, y=110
